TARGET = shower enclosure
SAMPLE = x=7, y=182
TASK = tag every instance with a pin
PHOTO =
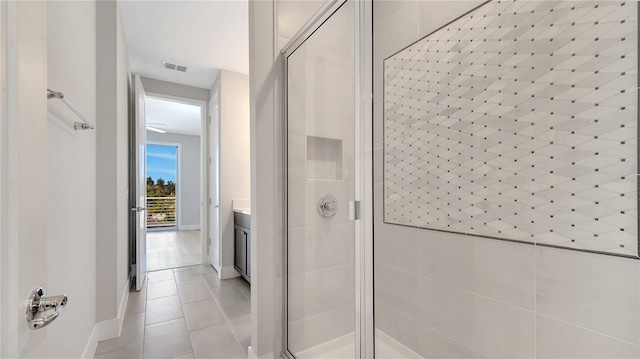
x=493, y=148
x=327, y=140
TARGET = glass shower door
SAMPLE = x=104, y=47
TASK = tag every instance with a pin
x=321, y=182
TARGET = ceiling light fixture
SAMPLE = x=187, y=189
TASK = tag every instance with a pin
x=155, y=129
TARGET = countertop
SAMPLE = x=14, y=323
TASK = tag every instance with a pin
x=241, y=206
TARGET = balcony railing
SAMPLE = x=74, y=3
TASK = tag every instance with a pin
x=161, y=212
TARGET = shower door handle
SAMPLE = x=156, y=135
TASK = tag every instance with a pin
x=354, y=210
x=137, y=209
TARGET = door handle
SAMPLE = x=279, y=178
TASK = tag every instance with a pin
x=39, y=304
x=137, y=209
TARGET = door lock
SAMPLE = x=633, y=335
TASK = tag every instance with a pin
x=39, y=304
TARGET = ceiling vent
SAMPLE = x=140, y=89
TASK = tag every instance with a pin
x=170, y=66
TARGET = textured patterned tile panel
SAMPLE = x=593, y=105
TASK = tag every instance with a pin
x=518, y=121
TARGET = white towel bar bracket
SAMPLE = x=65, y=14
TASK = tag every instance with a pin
x=85, y=124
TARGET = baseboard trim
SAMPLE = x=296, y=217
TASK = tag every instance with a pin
x=122, y=307
x=227, y=272
x=107, y=329
x=103, y=330
x=190, y=227
x=92, y=344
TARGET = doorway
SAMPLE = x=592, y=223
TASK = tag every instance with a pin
x=173, y=182
x=162, y=186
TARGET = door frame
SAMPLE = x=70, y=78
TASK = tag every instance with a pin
x=211, y=152
x=363, y=103
x=204, y=154
x=178, y=177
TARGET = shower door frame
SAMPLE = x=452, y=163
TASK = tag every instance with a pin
x=363, y=105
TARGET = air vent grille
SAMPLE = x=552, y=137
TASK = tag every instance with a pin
x=170, y=66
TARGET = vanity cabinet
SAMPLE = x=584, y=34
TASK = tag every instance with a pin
x=242, y=245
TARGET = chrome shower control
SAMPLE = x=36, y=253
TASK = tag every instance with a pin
x=327, y=206
x=40, y=303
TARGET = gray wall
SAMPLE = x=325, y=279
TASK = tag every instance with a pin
x=449, y=295
x=190, y=169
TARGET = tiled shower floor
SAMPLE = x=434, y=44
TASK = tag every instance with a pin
x=184, y=313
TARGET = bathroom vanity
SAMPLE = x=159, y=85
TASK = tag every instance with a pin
x=242, y=236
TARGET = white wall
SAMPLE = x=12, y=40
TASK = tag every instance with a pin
x=71, y=165
x=4, y=115
x=232, y=90
x=189, y=166
x=266, y=184
x=112, y=212
x=123, y=77
x=23, y=128
x=451, y=295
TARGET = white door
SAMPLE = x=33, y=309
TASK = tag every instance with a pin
x=141, y=184
x=214, y=183
x=23, y=173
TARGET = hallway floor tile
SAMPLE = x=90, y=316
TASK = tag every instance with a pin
x=184, y=313
x=171, y=249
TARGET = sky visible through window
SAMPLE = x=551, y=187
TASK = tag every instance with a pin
x=161, y=162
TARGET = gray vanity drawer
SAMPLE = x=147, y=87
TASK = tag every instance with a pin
x=242, y=219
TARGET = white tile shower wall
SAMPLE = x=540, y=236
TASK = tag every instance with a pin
x=316, y=247
x=293, y=14
x=320, y=114
x=518, y=121
x=482, y=297
x=326, y=115
x=320, y=291
x=321, y=328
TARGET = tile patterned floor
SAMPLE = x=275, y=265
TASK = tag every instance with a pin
x=184, y=313
x=172, y=249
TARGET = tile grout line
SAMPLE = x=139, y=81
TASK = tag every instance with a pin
x=201, y=280
x=183, y=316
x=224, y=315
